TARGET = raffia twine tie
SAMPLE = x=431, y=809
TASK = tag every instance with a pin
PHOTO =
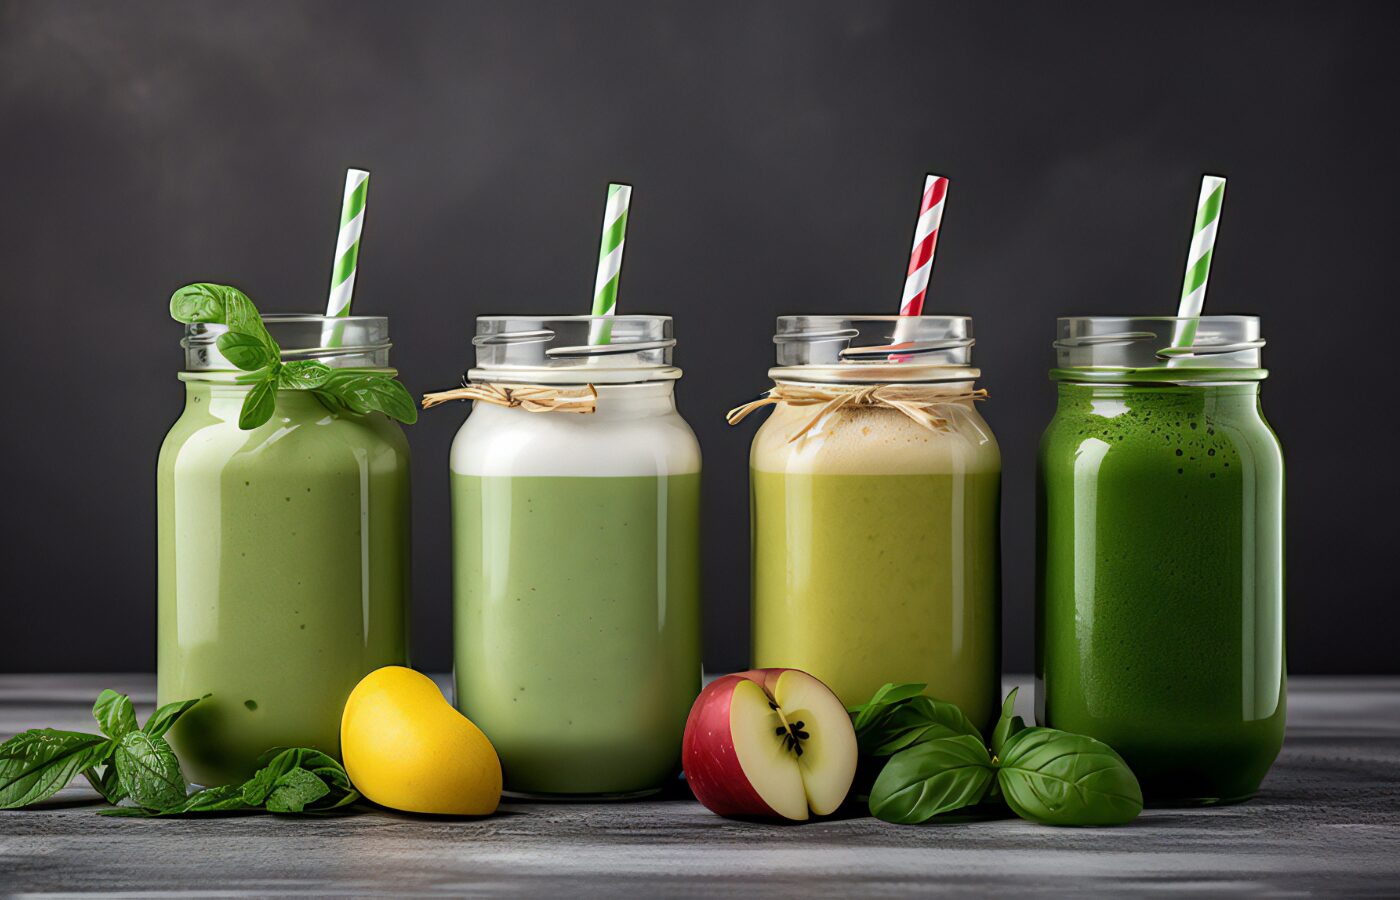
x=536, y=398
x=921, y=403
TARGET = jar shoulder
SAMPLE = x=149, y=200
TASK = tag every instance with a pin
x=1110, y=438
x=503, y=442
x=293, y=438
x=874, y=441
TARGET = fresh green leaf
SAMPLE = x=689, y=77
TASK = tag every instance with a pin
x=242, y=317
x=259, y=404
x=278, y=761
x=1008, y=725
x=911, y=721
x=883, y=698
x=284, y=759
x=114, y=714
x=163, y=719
x=274, y=764
x=198, y=303
x=332, y=403
x=295, y=780
x=219, y=304
x=1057, y=778
x=899, y=716
x=36, y=764
x=108, y=784
x=149, y=772
x=248, y=352
x=294, y=791
x=303, y=375
x=933, y=777
x=327, y=768
x=250, y=348
x=367, y=392
x=228, y=798
x=270, y=787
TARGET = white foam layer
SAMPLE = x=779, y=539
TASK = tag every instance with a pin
x=870, y=441
x=635, y=431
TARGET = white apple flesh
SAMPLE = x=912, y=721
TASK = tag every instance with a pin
x=769, y=743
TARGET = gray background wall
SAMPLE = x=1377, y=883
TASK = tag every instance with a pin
x=777, y=151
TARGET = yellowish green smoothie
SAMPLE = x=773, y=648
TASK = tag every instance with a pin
x=283, y=573
x=876, y=553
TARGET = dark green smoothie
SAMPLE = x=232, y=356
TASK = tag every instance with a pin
x=1160, y=601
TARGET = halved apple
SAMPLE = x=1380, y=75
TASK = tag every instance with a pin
x=769, y=743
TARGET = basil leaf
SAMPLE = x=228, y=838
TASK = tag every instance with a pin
x=246, y=351
x=227, y=798
x=259, y=404
x=107, y=784
x=220, y=304
x=303, y=375
x=163, y=719
x=890, y=693
x=326, y=768
x=933, y=777
x=114, y=714
x=198, y=303
x=274, y=764
x=36, y=764
x=294, y=791
x=367, y=392
x=275, y=787
x=149, y=772
x=912, y=721
x=330, y=402
x=284, y=759
x=241, y=316
x=250, y=348
x=1008, y=725
x=1057, y=778
x=337, y=798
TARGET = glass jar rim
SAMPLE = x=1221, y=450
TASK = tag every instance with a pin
x=871, y=349
x=1158, y=349
x=343, y=342
x=574, y=349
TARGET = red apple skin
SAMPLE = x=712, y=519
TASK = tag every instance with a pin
x=707, y=753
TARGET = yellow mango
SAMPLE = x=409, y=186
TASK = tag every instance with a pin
x=405, y=747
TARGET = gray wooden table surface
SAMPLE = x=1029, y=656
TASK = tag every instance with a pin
x=1326, y=823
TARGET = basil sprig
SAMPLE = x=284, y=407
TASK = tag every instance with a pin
x=937, y=762
x=294, y=780
x=123, y=761
x=136, y=764
x=252, y=350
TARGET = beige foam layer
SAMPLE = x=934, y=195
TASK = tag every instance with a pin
x=874, y=442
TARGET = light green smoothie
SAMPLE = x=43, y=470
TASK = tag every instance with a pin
x=283, y=573
x=577, y=627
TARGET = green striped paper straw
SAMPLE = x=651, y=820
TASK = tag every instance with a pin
x=1193, y=290
x=347, y=245
x=610, y=261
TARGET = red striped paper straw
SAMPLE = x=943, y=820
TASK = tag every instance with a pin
x=925, y=240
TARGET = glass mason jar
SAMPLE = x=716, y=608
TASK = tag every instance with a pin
x=576, y=556
x=876, y=538
x=283, y=553
x=1160, y=598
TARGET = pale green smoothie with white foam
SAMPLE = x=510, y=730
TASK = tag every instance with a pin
x=576, y=556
